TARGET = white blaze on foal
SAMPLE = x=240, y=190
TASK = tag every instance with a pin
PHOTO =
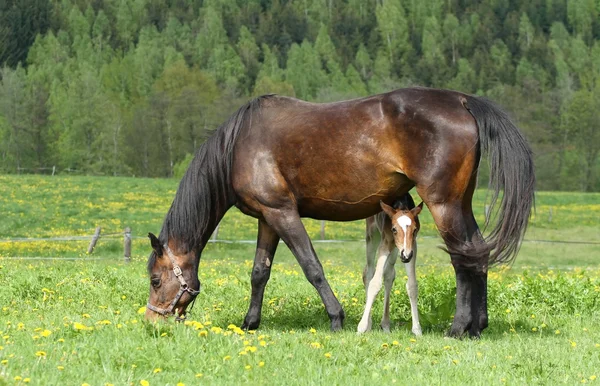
x=383, y=234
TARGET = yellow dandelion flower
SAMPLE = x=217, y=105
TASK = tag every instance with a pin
x=85, y=384
x=455, y=361
x=315, y=345
x=262, y=343
x=327, y=355
x=4, y=361
x=163, y=334
x=251, y=348
x=534, y=329
x=557, y=332
x=144, y=382
x=87, y=316
x=247, y=367
x=573, y=344
x=40, y=354
x=413, y=340
x=199, y=375
x=18, y=378
x=592, y=377
x=46, y=333
x=27, y=380
x=447, y=347
x=81, y=327
x=157, y=370
x=385, y=345
x=312, y=330
x=180, y=384
x=242, y=353
x=216, y=330
x=141, y=310
x=227, y=357
x=261, y=364
x=508, y=311
x=395, y=343
x=203, y=333
x=61, y=368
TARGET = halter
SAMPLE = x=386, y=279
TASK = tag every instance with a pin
x=183, y=287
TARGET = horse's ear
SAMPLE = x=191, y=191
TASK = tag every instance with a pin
x=387, y=209
x=417, y=209
x=155, y=244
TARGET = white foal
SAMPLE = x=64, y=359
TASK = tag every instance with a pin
x=399, y=227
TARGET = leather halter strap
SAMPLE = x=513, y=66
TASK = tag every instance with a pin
x=183, y=287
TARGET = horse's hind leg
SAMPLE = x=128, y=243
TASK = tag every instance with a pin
x=453, y=227
x=479, y=280
x=412, y=288
x=288, y=225
x=265, y=251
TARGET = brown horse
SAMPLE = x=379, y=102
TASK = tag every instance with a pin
x=279, y=159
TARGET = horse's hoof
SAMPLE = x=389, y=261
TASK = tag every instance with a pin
x=250, y=325
x=363, y=327
x=417, y=332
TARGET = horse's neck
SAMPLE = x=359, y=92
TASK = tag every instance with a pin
x=213, y=223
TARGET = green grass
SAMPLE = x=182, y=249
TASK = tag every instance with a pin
x=544, y=312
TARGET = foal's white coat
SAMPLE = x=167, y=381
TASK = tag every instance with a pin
x=381, y=243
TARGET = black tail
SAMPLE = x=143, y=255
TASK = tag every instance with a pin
x=511, y=171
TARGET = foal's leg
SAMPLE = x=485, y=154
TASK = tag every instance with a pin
x=385, y=247
x=413, y=291
x=389, y=275
x=373, y=239
x=265, y=251
x=288, y=225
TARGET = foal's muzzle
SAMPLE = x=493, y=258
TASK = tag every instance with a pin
x=406, y=258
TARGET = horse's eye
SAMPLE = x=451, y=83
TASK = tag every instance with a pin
x=155, y=281
x=394, y=230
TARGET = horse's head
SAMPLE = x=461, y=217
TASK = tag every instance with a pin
x=174, y=281
x=405, y=225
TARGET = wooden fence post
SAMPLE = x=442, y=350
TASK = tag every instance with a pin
x=127, y=244
x=94, y=241
x=322, y=229
x=550, y=215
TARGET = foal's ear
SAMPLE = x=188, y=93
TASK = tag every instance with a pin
x=387, y=209
x=417, y=209
x=155, y=244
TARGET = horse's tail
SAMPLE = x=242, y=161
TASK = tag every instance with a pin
x=511, y=171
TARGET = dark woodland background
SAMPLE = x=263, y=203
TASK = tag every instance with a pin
x=132, y=87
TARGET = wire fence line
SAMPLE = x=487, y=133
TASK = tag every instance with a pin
x=117, y=235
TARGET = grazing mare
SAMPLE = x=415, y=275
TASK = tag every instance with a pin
x=397, y=224
x=279, y=159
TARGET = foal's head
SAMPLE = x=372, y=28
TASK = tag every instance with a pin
x=174, y=280
x=405, y=225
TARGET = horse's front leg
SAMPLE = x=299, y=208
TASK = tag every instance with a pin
x=412, y=288
x=389, y=275
x=288, y=225
x=265, y=251
x=374, y=285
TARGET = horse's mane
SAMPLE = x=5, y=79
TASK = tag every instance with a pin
x=205, y=190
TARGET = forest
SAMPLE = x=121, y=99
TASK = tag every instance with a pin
x=133, y=87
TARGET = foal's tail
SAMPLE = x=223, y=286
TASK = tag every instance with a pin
x=511, y=171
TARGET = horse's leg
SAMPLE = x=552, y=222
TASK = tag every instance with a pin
x=265, y=251
x=449, y=219
x=479, y=279
x=372, y=238
x=389, y=275
x=412, y=288
x=288, y=225
x=385, y=247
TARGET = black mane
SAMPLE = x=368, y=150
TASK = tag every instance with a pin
x=205, y=192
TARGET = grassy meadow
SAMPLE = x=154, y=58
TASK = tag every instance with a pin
x=77, y=321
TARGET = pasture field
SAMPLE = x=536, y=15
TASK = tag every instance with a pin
x=78, y=321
